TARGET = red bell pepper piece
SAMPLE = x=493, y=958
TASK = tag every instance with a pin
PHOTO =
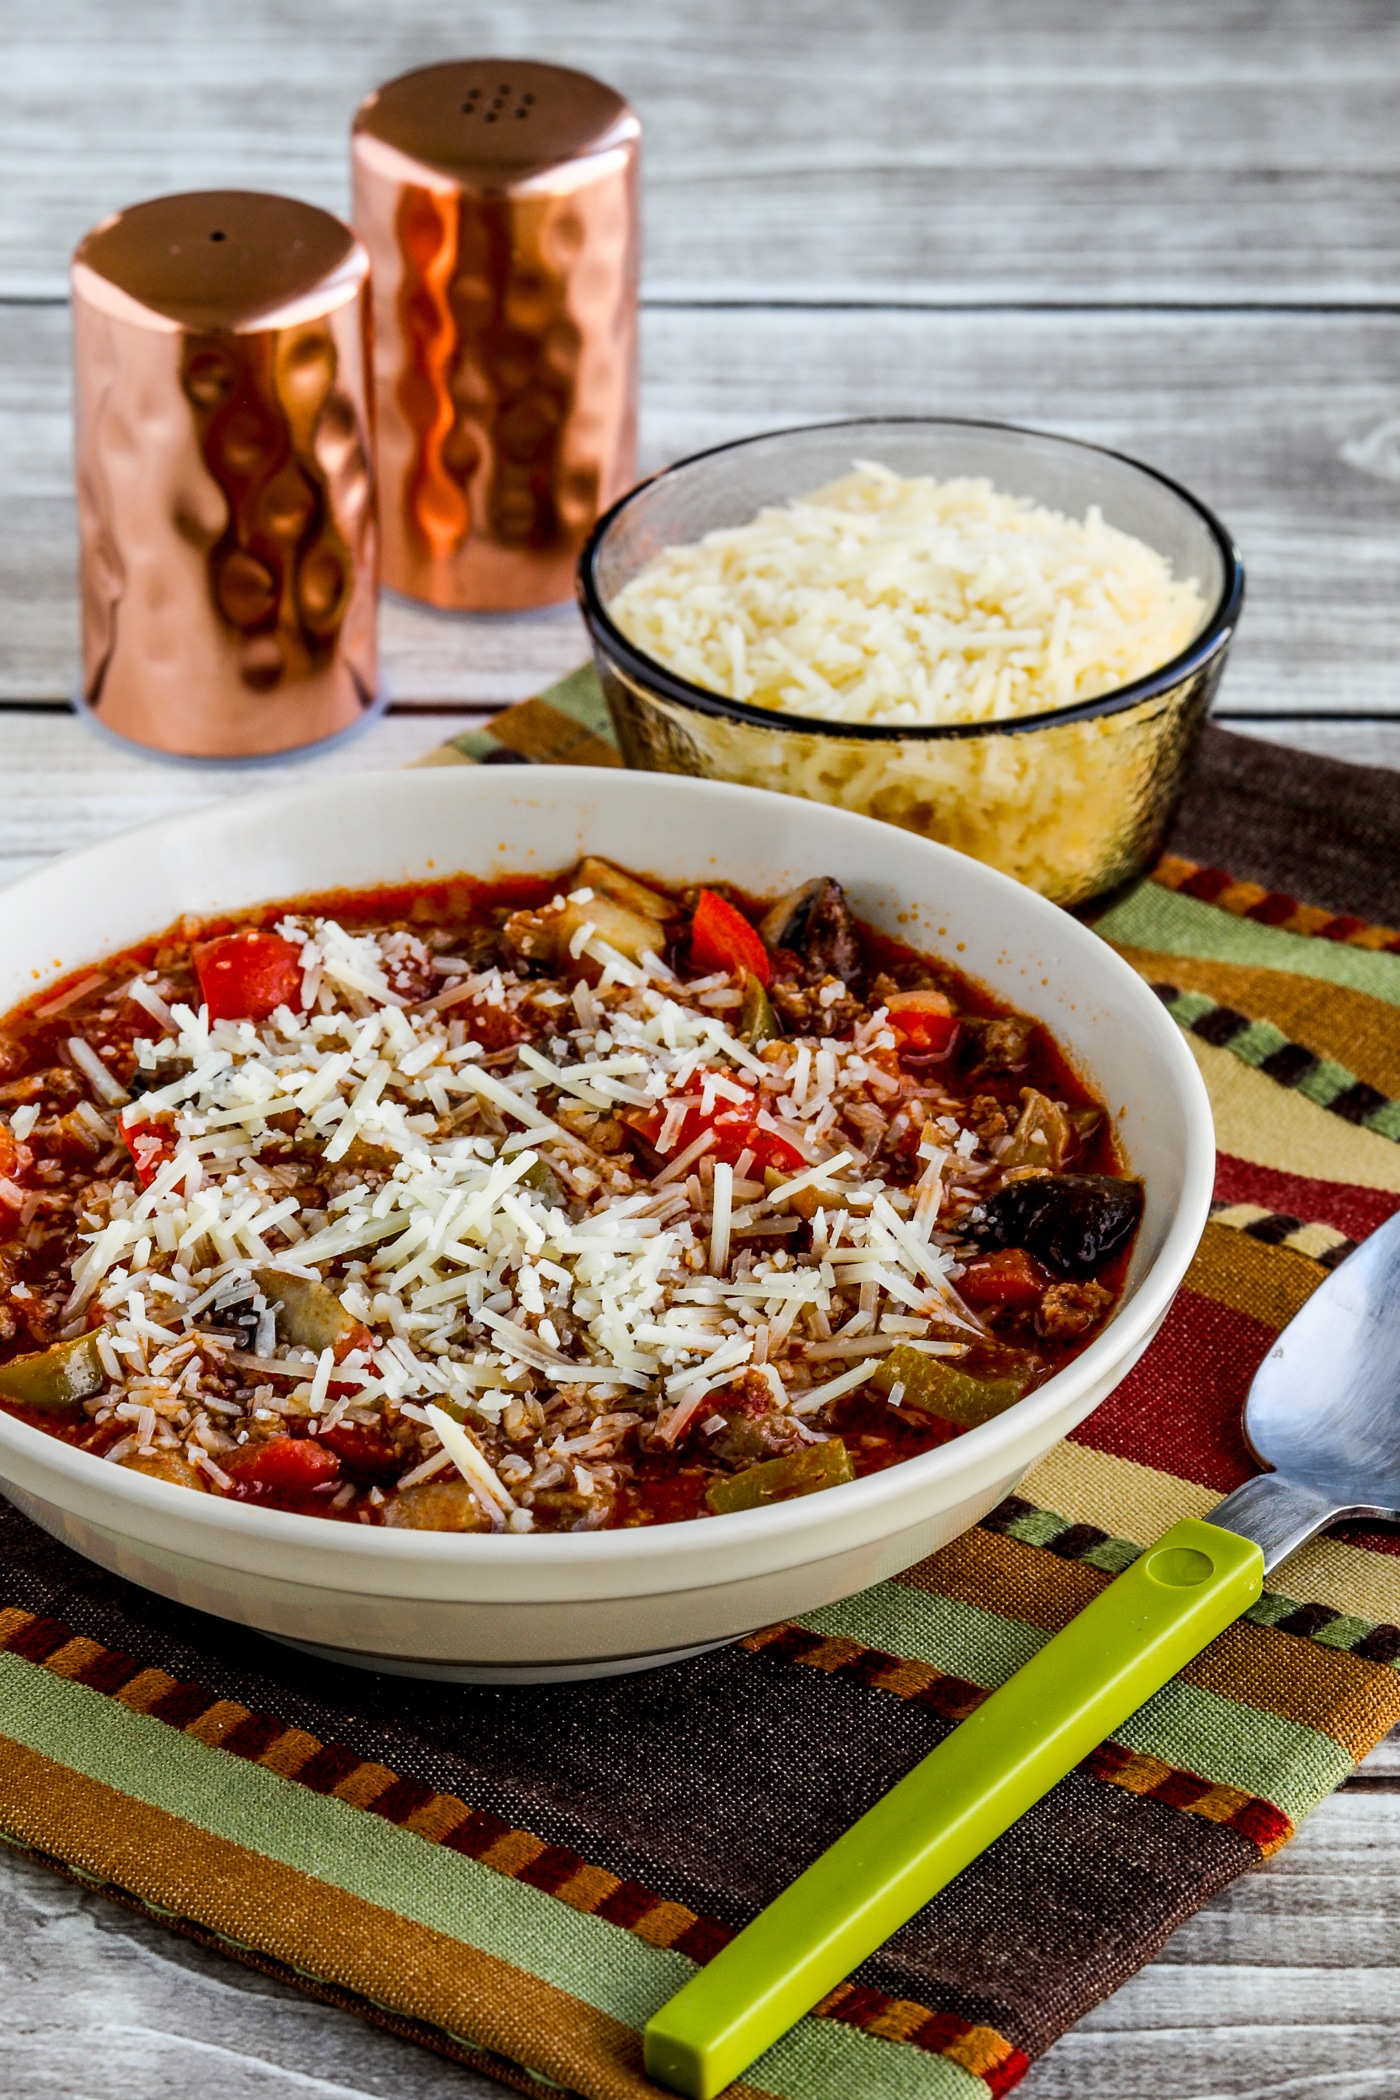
x=285, y=1466
x=923, y=1021
x=246, y=976
x=721, y=938
x=150, y=1146
x=1010, y=1277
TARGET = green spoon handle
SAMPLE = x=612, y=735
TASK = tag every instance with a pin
x=1080, y=1686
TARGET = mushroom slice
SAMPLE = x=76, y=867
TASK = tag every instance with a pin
x=815, y=924
x=309, y=1313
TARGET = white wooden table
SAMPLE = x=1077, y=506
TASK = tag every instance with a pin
x=1169, y=225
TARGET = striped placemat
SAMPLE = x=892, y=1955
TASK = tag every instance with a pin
x=518, y=1879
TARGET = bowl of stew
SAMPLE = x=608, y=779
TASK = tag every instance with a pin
x=507, y=1227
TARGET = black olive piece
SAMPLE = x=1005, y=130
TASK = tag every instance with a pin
x=815, y=923
x=1071, y=1222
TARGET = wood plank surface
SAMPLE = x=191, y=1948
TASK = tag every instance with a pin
x=1180, y=152
x=1289, y=425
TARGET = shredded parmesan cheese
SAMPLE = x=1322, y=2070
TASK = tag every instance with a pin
x=513, y=1295
x=907, y=600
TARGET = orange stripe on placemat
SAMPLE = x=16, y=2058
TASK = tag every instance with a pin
x=1250, y=900
x=443, y=1819
x=1266, y=1827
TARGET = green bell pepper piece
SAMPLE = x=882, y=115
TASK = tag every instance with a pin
x=758, y=1023
x=804, y=1472
x=937, y=1387
x=54, y=1379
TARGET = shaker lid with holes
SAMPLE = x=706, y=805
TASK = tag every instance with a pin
x=222, y=260
x=492, y=123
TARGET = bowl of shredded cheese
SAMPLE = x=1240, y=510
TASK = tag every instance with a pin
x=1000, y=639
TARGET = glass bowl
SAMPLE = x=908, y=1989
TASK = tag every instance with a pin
x=1070, y=802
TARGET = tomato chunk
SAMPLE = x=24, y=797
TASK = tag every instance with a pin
x=1011, y=1277
x=364, y=1451
x=736, y=1130
x=924, y=1022
x=721, y=938
x=246, y=976
x=15, y=1158
x=150, y=1146
x=285, y=1466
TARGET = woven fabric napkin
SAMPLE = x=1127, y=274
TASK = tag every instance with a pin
x=518, y=1879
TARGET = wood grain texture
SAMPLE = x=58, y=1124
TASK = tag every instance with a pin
x=1289, y=425
x=67, y=786
x=899, y=150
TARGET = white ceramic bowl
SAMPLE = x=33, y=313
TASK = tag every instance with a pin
x=532, y=1608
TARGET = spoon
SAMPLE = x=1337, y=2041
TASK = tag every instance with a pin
x=1323, y=1414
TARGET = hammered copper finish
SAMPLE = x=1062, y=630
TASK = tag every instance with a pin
x=498, y=201
x=225, y=482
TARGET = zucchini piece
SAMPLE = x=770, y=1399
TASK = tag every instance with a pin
x=436, y=1505
x=1044, y=1136
x=543, y=1180
x=594, y=874
x=804, y=1472
x=166, y=1465
x=55, y=1379
x=936, y=1387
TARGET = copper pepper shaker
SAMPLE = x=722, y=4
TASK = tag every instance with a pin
x=498, y=201
x=226, y=506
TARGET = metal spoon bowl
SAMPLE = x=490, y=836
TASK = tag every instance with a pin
x=1324, y=1409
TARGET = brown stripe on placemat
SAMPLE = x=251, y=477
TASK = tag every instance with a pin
x=1292, y=822
x=1265, y=1826
x=444, y=1819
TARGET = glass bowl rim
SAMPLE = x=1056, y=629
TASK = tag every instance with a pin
x=1213, y=637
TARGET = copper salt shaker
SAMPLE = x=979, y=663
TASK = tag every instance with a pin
x=225, y=474
x=498, y=201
